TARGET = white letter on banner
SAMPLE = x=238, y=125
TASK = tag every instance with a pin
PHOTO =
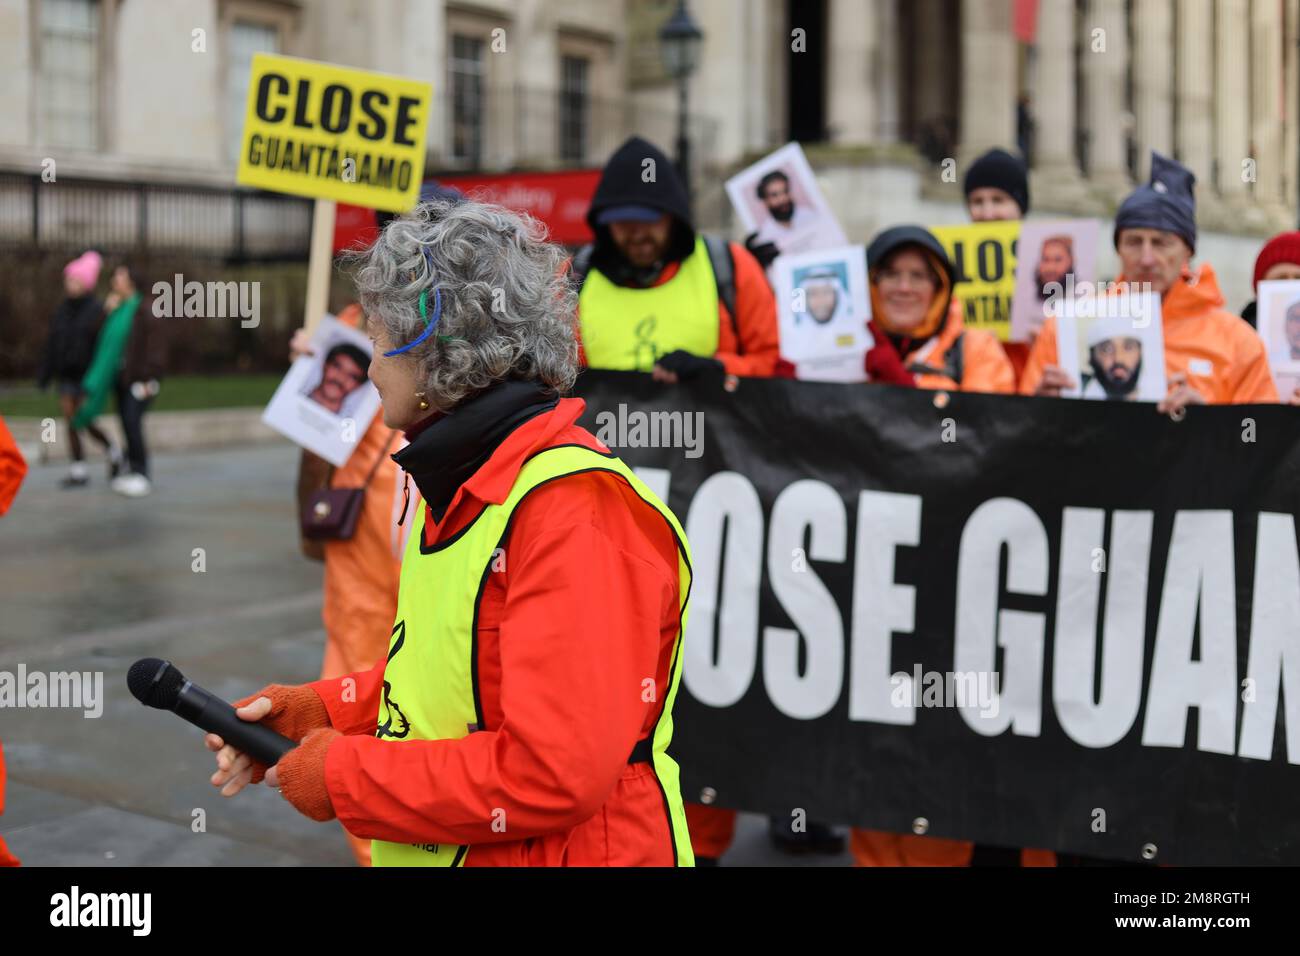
x=1102, y=722
x=981, y=627
x=724, y=499
x=1274, y=636
x=1199, y=573
x=880, y=607
x=811, y=607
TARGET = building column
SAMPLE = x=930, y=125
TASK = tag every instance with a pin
x=1231, y=92
x=1290, y=83
x=888, y=63
x=851, y=107
x=1195, y=88
x=988, y=79
x=1056, y=169
x=1267, y=101
x=1153, y=72
x=1105, y=62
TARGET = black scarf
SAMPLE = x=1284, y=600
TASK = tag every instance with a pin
x=443, y=456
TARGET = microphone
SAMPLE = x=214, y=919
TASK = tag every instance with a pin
x=156, y=683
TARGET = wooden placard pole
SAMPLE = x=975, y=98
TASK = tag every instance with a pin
x=320, y=266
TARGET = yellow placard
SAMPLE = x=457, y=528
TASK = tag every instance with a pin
x=331, y=132
x=983, y=255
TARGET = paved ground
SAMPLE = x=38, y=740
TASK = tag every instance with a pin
x=91, y=581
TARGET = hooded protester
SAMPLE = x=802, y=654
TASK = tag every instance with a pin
x=655, y=295
x=527, y=719
x=1211, y=355
x=68, y=351
x=1279, y=259
x=921, y=339
x=921, y=342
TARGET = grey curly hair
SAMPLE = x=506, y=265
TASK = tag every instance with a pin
x=508, y=310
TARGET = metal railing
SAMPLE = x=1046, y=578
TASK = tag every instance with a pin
x=141, y=217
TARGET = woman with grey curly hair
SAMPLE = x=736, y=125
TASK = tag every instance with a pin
x=524, y=712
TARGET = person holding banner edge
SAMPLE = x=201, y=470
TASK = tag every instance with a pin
x=529, y=723
x=1211, y=355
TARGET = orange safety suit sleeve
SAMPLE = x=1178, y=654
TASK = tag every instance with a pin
x=1042, y=354
x=755, y=322
x=576, y=647
x=13, y=467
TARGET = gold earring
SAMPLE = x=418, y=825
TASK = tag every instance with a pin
x=424, y=403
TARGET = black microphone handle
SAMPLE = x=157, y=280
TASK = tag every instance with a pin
x=216, y=716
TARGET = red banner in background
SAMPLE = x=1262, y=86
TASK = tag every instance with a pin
x=558, y=199
x=1025, y=20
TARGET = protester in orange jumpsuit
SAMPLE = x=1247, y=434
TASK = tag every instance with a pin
x=13, y=468
x=920, y=338
x=921, y=342
x=1211, y=356
x=573, y=650
x=361, y=573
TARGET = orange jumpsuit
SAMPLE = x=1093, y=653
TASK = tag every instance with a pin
x=1223, y=357
x=361, y=574
x=985, y=368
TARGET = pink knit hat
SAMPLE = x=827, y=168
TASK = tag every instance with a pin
x=86, y=268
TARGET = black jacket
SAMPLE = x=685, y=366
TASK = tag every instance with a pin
x=71, y=342
x=624, y=182
x=145, y=356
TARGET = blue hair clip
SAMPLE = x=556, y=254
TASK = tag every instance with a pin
x=429, y=324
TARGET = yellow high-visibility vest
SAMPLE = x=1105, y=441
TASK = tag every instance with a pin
x=430, y=690
x=629, y=329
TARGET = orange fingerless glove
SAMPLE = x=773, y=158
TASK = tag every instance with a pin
x=302, y=775
x=295, y=712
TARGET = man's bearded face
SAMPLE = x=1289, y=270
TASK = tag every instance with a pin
x=1053, y=266
x=1293, y=329
x=821, y=301
x=777, y=199
x=1117, y=363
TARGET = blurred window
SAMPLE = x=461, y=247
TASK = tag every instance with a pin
x=467, y=73
x=69, y=79
x=246, y=39
x=574, y=108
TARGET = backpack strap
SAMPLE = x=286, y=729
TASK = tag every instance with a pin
x=724, y=274
x=580, y=265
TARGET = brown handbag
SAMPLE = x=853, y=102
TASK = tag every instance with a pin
x=332, y=513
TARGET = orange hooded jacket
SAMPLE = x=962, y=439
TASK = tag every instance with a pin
x=1221, y=355
x=557, y=648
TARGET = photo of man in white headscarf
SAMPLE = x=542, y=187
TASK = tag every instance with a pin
x=1113, y=346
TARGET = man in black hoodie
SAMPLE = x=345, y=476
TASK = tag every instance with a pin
x=657, y=297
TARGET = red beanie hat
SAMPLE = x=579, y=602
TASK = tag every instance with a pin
x=1284, y=247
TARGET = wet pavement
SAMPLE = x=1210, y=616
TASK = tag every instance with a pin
x=205, y=573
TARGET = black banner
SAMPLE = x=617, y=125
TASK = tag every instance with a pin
x=1026, y=622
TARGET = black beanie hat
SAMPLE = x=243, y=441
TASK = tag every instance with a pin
x=998, y=169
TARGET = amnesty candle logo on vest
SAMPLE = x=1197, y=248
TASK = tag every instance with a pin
x=74, y=689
